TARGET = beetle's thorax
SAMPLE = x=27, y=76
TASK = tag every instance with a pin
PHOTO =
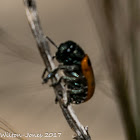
x=69, y=53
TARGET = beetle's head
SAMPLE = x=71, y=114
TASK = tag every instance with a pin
x=69, y=53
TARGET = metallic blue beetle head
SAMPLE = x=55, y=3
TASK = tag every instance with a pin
x=69, y=53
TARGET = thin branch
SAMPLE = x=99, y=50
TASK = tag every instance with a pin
x=42, y=43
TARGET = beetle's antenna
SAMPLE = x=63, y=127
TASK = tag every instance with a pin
x=52, y=42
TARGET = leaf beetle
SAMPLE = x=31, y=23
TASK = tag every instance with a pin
x=78, y=72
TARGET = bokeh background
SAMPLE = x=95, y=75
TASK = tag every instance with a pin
x=26, y=104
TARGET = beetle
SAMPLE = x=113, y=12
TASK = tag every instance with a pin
x=78, y=72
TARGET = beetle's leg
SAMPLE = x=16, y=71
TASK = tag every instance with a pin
x=63, y=78
x=68, y=67
x=60, y=67
x=63, y=67
x=68, y=79
x=44, y=72
x=49, y=76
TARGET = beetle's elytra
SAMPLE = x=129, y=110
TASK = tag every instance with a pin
x=78, y=72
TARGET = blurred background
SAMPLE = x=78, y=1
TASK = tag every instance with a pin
x=108, y=31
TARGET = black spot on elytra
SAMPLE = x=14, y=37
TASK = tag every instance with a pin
x=92, y=83
x=89, y=63
x=86, y=70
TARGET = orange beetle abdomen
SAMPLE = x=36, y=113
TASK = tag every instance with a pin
x=89, y=75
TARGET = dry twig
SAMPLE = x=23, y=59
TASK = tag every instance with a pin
x=33, y=18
